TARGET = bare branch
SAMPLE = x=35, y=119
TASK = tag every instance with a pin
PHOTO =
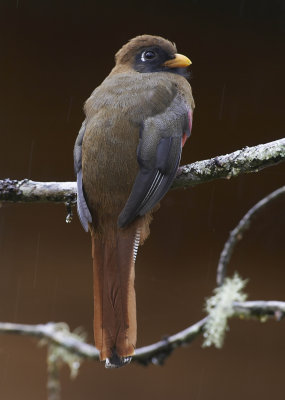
x=247, y=160
x=155, y=353
x=237, y=233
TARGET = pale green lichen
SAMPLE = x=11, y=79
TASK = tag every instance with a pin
x=59, y=355
x=220, y=307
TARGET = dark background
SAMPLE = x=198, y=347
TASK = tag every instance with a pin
x=53, y=54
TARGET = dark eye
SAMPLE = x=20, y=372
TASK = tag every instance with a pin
x=147, y=55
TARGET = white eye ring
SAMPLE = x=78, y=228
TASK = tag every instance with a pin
x=144, y=58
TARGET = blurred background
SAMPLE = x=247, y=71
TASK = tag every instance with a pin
x=53, y=54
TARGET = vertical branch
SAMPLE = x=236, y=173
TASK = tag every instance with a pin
x=53, y=381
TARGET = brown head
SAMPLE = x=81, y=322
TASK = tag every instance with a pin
x=147, y=53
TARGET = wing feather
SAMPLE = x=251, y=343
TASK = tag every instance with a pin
x=82, y=208
x=158, y=154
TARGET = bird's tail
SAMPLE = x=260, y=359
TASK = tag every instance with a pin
x=115, y=325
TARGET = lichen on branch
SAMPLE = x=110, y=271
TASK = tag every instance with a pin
x=246, y=160
x=220, y=307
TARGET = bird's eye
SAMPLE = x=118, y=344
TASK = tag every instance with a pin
x=147, y=55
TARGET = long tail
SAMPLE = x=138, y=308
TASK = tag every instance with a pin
x=115, y=325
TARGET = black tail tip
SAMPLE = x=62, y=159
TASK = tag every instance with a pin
x=116, y=361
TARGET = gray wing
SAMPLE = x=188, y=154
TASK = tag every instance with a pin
x=82, y=208
x=158, y=155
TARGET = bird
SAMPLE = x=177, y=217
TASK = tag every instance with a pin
x=126, y=157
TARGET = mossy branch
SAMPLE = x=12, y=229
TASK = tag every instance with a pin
x=58, y=334
x=246, y=160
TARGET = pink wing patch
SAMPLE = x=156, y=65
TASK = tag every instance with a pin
x=184, y=138
x=187, y=135
x=190, y=119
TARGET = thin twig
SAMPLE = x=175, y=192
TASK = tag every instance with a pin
x=247, y=160
x=261, y=308
x=156, y=353
x=56, y=336
x=237, y=233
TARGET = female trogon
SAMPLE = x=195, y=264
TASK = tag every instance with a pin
x=126, y=157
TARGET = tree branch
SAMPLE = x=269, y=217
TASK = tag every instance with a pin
x=237, y=233
x=260, y=309
x=247, y=160
x=54, y=333
x=155, y=353
x=27, y=191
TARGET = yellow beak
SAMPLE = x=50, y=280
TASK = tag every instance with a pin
x=179, y=61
